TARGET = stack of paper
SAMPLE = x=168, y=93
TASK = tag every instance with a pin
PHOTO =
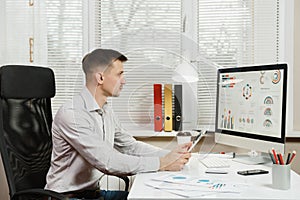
x=189, y=186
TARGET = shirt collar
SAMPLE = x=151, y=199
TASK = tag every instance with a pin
x=90, y=101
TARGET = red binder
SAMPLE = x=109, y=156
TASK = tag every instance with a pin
x=158, y=122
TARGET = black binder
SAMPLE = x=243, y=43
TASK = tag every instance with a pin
x=177, y=124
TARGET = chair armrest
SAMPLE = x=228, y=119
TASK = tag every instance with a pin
x=38, y=194
x=126, y=180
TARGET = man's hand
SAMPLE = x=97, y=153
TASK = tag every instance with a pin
x=176, y=159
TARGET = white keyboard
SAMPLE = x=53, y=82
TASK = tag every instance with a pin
x=214, y=162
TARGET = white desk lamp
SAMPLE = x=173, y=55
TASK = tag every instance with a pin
x=185, y=73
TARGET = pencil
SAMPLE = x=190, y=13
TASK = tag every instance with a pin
x=281, y=159
x=293, y=156
x=275, y=156
x=288, y=158
x=272, y=158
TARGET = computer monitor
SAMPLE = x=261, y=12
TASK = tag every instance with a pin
x=251, y=109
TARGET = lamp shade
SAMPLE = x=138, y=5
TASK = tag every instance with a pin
x=185, y=73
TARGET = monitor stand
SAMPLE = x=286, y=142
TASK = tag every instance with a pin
x=253, y=158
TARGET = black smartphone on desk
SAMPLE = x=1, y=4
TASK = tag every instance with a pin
x=253, y=172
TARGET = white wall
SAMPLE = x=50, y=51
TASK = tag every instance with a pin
x=296, y=71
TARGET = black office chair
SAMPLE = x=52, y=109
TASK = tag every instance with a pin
x=25, y=130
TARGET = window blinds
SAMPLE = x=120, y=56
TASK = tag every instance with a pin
x=16, y=42
x=22, y=33
x=229, y=33
x=233, y=33
x=148, y=33
x=65, y=47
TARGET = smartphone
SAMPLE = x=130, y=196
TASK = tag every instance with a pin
x=253, y=172
x=197, y=139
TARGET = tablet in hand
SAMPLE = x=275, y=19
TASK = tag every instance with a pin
x=197, y=139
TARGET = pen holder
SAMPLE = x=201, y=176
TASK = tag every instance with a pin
x=281, y=176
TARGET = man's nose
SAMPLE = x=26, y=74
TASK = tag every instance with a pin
x=123, y=81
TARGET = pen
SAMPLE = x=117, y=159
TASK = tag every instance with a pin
x=272, y=158
x=281, y=159
x=222, y=154
x=230, y=154
x=288, y=159
x=278, y=159
x=275, y=156
x=293, y=156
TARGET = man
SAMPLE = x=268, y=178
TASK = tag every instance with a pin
x=88, y=139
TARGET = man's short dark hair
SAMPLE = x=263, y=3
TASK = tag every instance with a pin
x=101, y=58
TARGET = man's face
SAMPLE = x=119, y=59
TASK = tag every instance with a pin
x=113, y=79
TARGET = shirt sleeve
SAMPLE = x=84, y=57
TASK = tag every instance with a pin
x=79, y=129
x=125, y=143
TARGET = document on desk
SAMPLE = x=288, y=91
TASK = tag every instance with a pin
x=189, y=186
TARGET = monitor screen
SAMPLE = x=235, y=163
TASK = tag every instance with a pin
x=251, y=106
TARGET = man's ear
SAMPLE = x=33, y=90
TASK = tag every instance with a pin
x=99, y=77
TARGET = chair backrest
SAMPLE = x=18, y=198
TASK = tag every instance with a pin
x=25, y=125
